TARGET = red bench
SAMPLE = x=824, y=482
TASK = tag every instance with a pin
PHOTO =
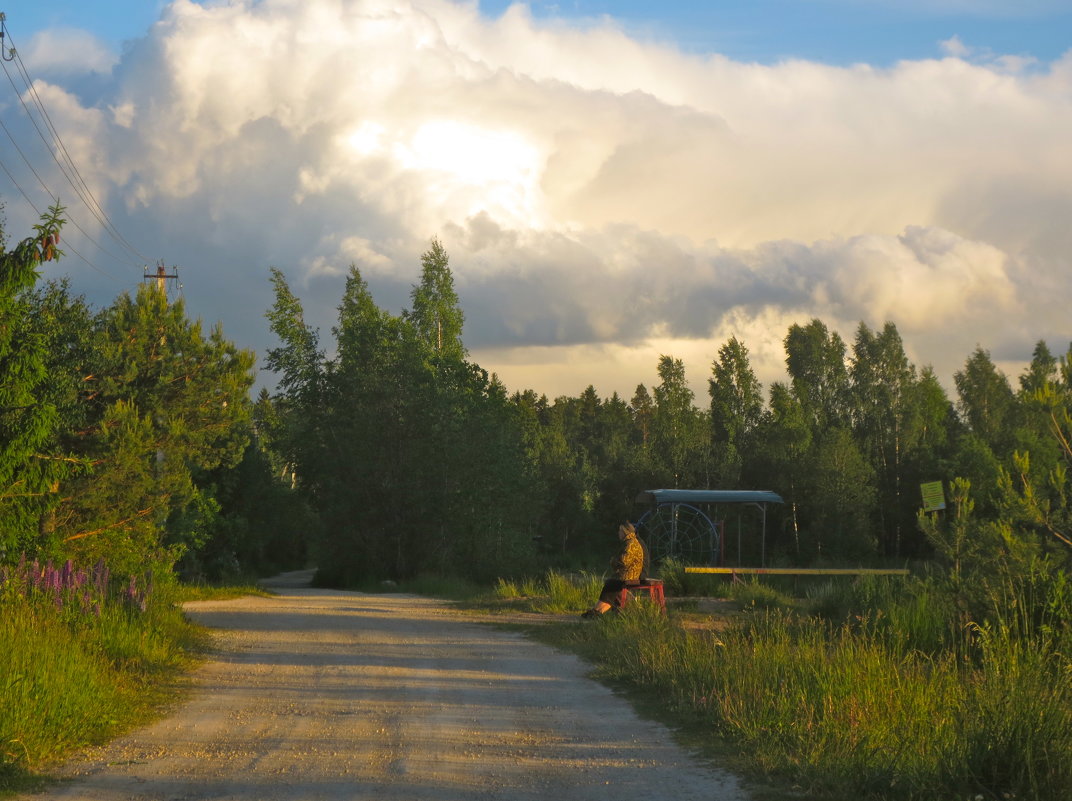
x=653, y=588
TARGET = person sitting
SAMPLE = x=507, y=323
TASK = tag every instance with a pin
x=628, y=566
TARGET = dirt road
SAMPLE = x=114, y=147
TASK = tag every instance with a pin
x=319, y=694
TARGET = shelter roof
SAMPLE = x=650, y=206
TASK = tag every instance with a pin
x=693, y=496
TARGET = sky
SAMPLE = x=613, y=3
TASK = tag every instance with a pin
x=613, y=181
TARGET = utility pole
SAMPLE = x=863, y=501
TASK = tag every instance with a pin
x=161, y=277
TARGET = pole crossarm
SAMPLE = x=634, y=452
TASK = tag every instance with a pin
x=800, y=571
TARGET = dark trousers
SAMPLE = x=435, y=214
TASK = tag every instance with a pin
x=611, y=588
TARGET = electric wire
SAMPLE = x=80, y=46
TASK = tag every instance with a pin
x=66, y=165
x=53, y=196
x=63, y=167
x=17, y=186
x=67, y=246
x=88, y=193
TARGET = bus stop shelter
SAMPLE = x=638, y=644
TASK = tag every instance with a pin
x=678, y=525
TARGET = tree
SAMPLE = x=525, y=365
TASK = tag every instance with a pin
x=642, y=410
x=435, y=311
x=815, y=359
x=1041, y=371
x=1035, y=497
x=882, y=378
x=298, y=361
x=28, y=478
x=680, y=442
x=839, y=497
x=784, y=438
x=736, y=408
x=168, y=404
x=409, y=454
x=986, y=401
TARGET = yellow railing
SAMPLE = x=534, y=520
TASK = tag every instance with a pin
x=798, y=571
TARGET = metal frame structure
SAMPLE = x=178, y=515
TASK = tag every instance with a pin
x=691, y=498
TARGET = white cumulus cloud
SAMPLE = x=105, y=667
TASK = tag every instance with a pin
x=601, y=198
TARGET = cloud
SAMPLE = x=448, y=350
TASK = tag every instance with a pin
x=67, y=51
x=600, y=198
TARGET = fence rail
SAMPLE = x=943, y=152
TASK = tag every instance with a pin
x=798, y=571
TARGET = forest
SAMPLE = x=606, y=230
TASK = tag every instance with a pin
x=129, y=433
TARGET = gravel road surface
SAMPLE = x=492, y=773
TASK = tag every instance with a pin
x=320, y=694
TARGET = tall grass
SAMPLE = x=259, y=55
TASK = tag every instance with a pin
x=854, y=709
x=553, y=593
x=83, y=656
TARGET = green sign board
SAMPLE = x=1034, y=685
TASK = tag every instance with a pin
x=933, y=496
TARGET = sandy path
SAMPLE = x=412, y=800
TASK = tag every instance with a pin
x=320, y=694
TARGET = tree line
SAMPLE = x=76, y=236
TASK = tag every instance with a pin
x=417, y=460
x=129, y=432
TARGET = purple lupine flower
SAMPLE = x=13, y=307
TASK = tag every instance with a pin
x=101, y=576
x=52, y=577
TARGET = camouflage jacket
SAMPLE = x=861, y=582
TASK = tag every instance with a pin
x=629, y=564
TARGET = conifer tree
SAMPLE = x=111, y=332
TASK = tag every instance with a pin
x=168, y=404
x=882, y=378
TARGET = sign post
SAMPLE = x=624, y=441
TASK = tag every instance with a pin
x=933, y=496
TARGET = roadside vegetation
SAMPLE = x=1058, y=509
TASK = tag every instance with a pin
x=86, y=655
x=873, y=688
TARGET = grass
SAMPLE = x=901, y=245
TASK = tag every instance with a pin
x=207, y=592
x=84, y=658
x=553, y=593
x=866, y=690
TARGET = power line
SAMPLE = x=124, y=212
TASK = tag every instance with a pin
x=60, y=154
x=95, y=206
x=21, y=190
x=64, y=168
x=76, y=225
x=51, y=194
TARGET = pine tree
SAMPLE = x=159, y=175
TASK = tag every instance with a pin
x=167, y=404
